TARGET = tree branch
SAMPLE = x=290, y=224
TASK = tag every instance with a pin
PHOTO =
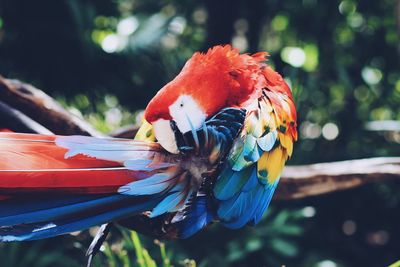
x=11, y=118
x=42, y=108
x=316, y=179
x=125, y=132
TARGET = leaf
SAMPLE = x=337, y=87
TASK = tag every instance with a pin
x=284, y=247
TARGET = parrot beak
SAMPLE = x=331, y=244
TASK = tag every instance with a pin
x=165, y=134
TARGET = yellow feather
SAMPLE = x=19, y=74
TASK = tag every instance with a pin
x=272, y=162
x=145, y=132
x=289, y=149
x=262, y=167
x=287, y=142
x=273, y=122
x=275, y=164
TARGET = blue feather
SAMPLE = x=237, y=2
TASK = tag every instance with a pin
x=39, y=211
x=145, y=165
x=152, y=185
x=254, y=155
x=70, y=224
x=252, y=180
x=34, y=202
x=230, y=183
x=264, y=203
x=248, y=205
x=238, y=211
x=170, y=202
x=197, y=218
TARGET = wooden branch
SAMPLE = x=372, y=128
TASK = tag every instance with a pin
x=11, y=118
x=316, y=179
x=42, y=108
x=125, y=132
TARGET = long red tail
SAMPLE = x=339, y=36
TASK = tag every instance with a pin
x=51, y=185
x=35, y=162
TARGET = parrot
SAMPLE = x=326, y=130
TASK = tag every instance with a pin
x=211, y=149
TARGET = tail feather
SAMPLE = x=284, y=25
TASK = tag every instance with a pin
x=79, y=181
x=18, y=211
x=42, y=162
x=52, y=185
x=197, y=217
x=33, y=152
x=46, y=229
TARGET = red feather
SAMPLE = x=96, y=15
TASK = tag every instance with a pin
x=35, y=162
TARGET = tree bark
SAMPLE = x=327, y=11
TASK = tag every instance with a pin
x=40, y=107
x=11, y=118
x=316, y=179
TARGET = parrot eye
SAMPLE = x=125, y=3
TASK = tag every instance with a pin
x=181, y=104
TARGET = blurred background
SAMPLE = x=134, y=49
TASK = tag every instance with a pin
x=104, y=60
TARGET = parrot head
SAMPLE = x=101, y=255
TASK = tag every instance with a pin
x=208, y=82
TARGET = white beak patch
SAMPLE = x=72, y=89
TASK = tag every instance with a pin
x=165, y=135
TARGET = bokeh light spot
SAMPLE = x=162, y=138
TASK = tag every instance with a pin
x=110, y=43
x=378, y=238
x=355, y=20
x=295, y=56
x=127, y=26
x=349, y=227
x=200, y=16
x=309, y=212
x=311, y=62
x=347, y=7
x=177, y=25
x=330, y=131
x=326, y=263
x=280, y=23
x=371, y=75
x=310, y=130
x=240, y=42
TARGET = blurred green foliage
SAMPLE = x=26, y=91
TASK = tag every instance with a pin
x=118, y=256
x=106, y=59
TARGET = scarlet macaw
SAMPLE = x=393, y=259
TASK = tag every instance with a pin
x=211, y=148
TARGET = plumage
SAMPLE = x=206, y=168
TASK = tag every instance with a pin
x=76, y=182
x=198, y=217
x=230, y=182
x=211, y=148
x=265, y=143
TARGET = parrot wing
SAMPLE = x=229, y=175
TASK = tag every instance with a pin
x=251, y=173
x=51, y=185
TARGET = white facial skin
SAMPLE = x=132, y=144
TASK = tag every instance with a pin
x=187, y=114
x=165, y=135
